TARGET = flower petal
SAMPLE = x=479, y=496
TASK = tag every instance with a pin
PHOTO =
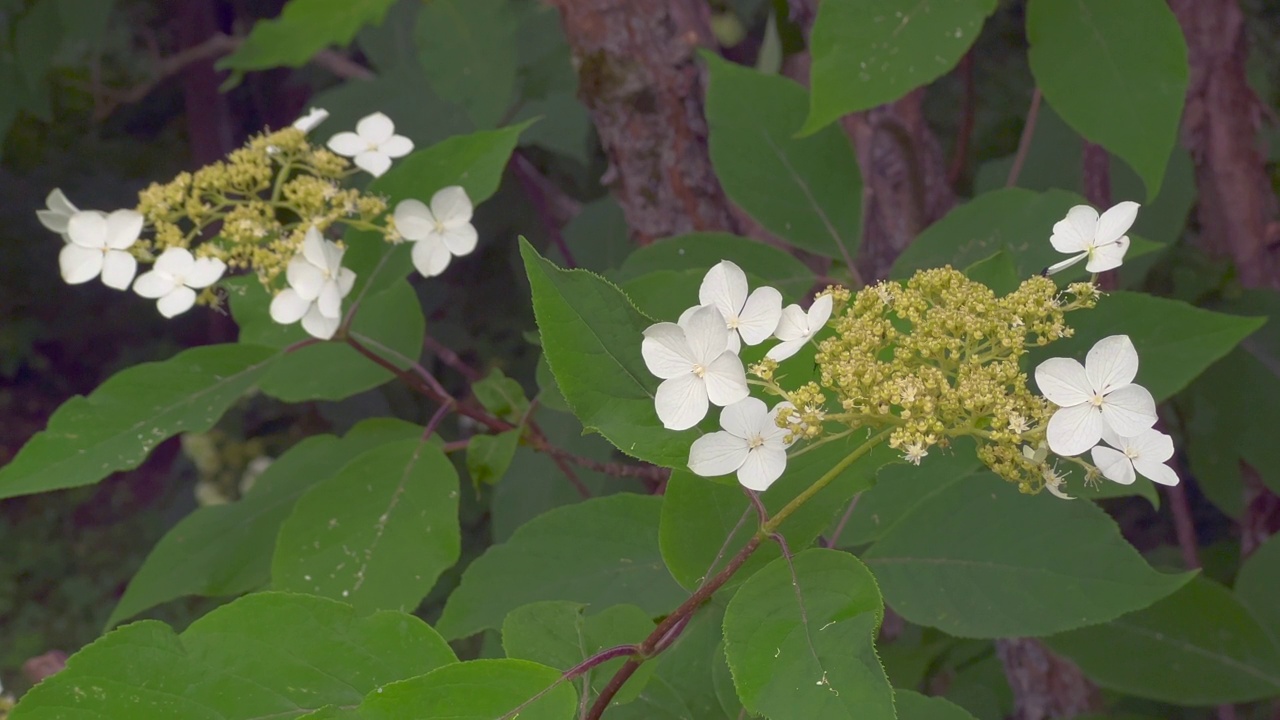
x=319, y=326
x=1111, y=362
x=1063, y=381
x=1151, y=446
x=430, y=256
x=1115, y=465
x=1115, y=222
x=717, y=453
x=1064, y=264
x=176, y=302
x=346, y=281
x=330, y=300
x=205, y=272
x=793, y=325
x=760, y=315
x=304, y=277
x=288, y=307
x=54, y=221
x=154, y=284
x=726, y=379
x=784, y=350
x=347, y=144
x=461, y=239
x=375, y=129
x=413, y=219
x=665, y=351
x=819, y=313
x=373, y=162
x=746, y=418
x=79, y=264
x=1156, y=471
x=1109, y=256
x=1129, y=410
x=123, y=228
x=58, y=203
x=451, y=205
x=706, y=334
x=1076, y=231
x=396, y=146
x=118, y=269
x=763, y=466
x=308, y=122
x=88, y=229
x=1072, y=430
x=175, y=262
x=681, y=402
x=725, y=286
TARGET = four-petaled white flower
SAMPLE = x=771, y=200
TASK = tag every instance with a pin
x=1098, y=396
x=57, y=215
x=751, y=444
x=317, y=284
x=1101, y=240
x=1146, y=453
x=439, y=232
x=98, y=246
x=695, y=367
x=797, y=327
x=751, y=319
x=175, y=278
x=314, y=117
x=373, y=144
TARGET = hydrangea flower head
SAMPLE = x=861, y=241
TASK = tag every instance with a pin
x=1095, y=397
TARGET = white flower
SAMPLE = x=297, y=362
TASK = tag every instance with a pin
x=751, y=443
x=59, y=213
x=440, y=232
x=695, y=367
x=176, y=277
x=98, y=244
x=1146, y=453
x=1100, y=239
x=373, y=144
x=915, y=452
x=1096, y=397
x=314, y=117
x=752, y=318
x=317, y=284
x=798, y=327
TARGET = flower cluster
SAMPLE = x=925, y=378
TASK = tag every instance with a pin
x=925, y=361
x=265, y=209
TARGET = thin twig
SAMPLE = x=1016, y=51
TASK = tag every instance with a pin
x=960, y=153
x=451, y=359
x=844, y=520
x=1024, y=143
x=545, y=204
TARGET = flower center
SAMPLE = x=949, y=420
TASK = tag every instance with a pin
x=1097, y=400
x=754, y=442
x=1131, y=453
x=732, y=323
x=699, y=370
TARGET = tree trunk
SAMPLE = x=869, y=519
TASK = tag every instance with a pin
x=1044, y=684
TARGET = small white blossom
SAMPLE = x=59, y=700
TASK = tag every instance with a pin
x=915, y=452
x=797, y=327
x=695, y=367
x=1098, y=396
x=751, y=444
x=373, y=144
x=317, y=284
x=176, y=277
x=1145, y=453
x=1053, y=480
x=440, y=232
x=98, y=246
x=751, y=319
x=57, y=215
x=1101, y=240
x=314, y=117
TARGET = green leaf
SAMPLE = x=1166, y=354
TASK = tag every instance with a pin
x=474, y=161
x=705, y=522
x=332, y=370
x=591, y=336
x=1199, y=646
x=226, y=549
x=950, y=563
x=603, y=551
x=377, y=533
x=117, y=425
x=475, y=690
x=871, y=52
x=501, y=396
x=549, y=395
x=1175, y=341
x=1014, y=220
x=1258, y=586
x=489, y=456
x=700, y=251
x=1123, y=95
x=560, y=635
x=304, y=28
x=997, y=272
x=914, y=706
x=37, y=35
x=803, y=648
x=468, y=49
x=805, y=190
x=265, y=655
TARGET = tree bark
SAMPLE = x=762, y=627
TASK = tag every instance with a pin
x=1044, y=684
x=639, y=76
x=1220, y=123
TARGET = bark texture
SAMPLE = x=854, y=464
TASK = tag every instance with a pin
x=1220, y=123
x=1044, y=684
x=639, y=76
